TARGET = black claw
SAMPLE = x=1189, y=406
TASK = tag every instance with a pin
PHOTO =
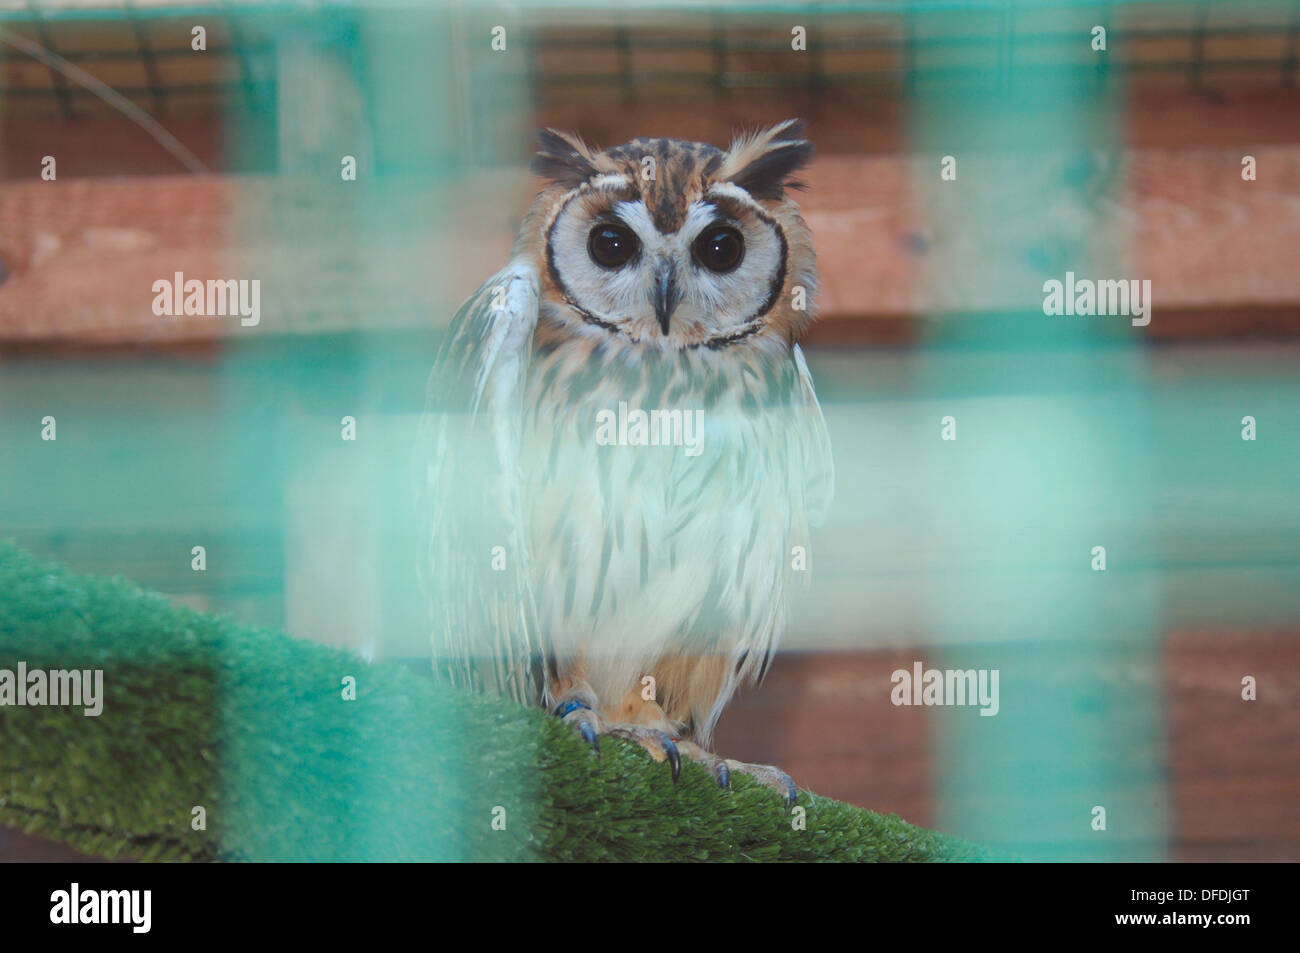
x=589, y=732
x=674, y=757
x=724, y=776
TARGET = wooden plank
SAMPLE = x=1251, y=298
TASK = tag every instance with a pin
x=81, y=256
x=1232, y=763
x=826, y=718
x=843, y=120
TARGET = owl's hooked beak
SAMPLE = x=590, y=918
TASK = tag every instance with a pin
x=666, y=295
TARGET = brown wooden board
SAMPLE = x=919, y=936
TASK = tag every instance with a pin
x=81, y=256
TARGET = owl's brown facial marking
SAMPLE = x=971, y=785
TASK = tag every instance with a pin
x=669, y=175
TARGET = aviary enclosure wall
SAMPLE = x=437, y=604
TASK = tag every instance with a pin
x=967, y=154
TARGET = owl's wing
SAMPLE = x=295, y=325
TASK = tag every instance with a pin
x=814, y=450
x=474, y=560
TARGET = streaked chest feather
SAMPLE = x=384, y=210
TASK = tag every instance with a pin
x=667, y=528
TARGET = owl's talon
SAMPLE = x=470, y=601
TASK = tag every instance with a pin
x=578, y=713
x=723, y=775
x=674, y=757
x=589, y=733
x=656, y=742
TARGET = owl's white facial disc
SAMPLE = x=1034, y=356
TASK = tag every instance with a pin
x=671, y=279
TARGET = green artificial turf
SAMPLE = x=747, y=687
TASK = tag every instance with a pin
x=253, y=726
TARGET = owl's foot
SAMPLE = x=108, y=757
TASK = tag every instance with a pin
x=723, y=768
x=772, y=777
x=578, y=710
x=658, y=743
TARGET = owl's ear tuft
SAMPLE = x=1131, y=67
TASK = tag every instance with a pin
x=762, y=162
x=563, y=158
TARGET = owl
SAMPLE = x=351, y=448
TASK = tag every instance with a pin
x=622, y=451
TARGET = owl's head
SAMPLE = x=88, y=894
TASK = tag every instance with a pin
x=675, y=244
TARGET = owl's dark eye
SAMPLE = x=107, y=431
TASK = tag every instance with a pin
x=719, y=248
x=611, y=246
